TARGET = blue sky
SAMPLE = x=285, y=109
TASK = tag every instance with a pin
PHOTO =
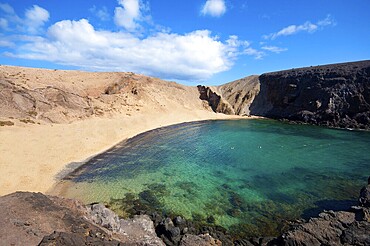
x=193, y=41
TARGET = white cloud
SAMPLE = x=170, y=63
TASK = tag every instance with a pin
x=258, y=55
x=35, y=18
x=7, y=8
x=214, y=8
x=102, y=13
x=328, y=21
x=32, y=22
x=5, y=43
x=9, y=16
x=193, y=56
x=274, y=49
x=306, y=27
x=3, y=24
x=128, y=15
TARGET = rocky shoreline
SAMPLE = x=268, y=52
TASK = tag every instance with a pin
x=37, y=219
x=335, y=95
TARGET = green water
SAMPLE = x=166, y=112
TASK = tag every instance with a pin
x=249, y=176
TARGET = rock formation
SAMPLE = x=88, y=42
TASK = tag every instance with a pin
x=33, y=218
x=335, y=95
x=241, y=93
x=36, y=219
x=214, y=100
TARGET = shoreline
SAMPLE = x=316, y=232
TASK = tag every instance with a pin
x=64, y=176
x=36, y=163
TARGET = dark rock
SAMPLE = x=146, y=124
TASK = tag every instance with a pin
x=200, y=240
x=156, y=218
x=243, y=242
x=181, y=223
x=335, y=95
x=331, y=228
x=73, y=239
x=357, y=234
x=169, y=232
x=364, y=198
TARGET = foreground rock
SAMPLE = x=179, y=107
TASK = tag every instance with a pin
x=331, y=228
x=36, y=219
x=335, y=95
x=33, y=218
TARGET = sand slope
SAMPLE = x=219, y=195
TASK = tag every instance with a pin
x=61, y=117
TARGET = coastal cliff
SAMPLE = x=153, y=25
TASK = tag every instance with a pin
x=335, y=95
x=241, y=93
x=214, y=100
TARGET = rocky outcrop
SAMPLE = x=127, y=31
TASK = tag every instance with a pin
x=214, y=100
x=335, y=95
x=36, y=219
x=364, y=198
x=331, y=228
x=179, y=231
x=241, y=93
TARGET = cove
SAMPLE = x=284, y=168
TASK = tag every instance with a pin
x=248, y=176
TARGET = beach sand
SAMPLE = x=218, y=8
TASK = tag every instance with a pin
x=33, y=155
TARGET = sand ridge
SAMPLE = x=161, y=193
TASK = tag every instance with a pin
x=44, y=139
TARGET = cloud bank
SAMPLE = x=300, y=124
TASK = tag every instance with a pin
x=196, y=55
x=192, y=56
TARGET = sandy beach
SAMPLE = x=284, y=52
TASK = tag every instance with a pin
x=32, y=156
x=34, y=150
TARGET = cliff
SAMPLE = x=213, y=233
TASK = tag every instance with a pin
x=214, y=100
x=241, y=93
x=38, y=96
x=335, y=95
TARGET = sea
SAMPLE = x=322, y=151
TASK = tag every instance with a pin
x=251, y=177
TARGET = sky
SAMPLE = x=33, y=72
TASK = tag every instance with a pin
x=195, y=41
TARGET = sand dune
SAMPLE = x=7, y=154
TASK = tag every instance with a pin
x=52, y=118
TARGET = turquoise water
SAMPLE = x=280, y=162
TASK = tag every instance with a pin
x=249, y=176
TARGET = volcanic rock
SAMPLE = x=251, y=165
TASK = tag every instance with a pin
x=335, y=95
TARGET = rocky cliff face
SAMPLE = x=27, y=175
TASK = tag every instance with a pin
x=241, y=93
x=214, y=100
x=335, y=95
